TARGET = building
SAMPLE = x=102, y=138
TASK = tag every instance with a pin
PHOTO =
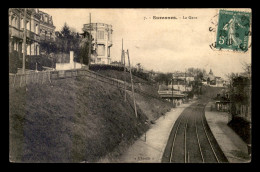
x=187, y=77
x=240, y=96
x=70, y=65
x=182, y=81
x=219, y=82
x=46, y=27
x=102, y=40
x=212, y=80
x=39, y=27
x=170, y=94
x=180, y=84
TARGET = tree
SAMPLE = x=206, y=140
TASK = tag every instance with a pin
x=70, y=40
x=197, y=72
x=84, y=48
x=163, y=78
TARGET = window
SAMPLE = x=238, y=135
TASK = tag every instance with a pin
x=28, y=50
x=101, y=50
x=12, y=21
x=100, y=35
x=45, y=33
x=37, y=50
x=27, y=25
x=15, y=46
x=108, y=51
x=36, y=29
x=22, y=25
x=15, y=22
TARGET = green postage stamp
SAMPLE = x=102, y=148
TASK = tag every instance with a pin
x=233, y=30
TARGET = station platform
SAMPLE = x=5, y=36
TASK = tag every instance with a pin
x=232, y=145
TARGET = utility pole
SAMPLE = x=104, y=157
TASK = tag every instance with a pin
x=172, y=91
x=24, y=39
x=185, y=80
x=132, y=83
x=123, y=61
x=90, y=40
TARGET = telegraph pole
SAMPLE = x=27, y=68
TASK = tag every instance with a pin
x=172, y=91
x=90, y=43
x=24, y=39
x=185, y=80
x=123, y=61
x=133, y=92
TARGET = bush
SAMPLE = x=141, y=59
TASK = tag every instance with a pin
x=96, y=67
x=14, y=62
x=140, y=74
x=41, y=61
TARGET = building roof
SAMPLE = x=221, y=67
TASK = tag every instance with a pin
x=164, y=88
x=182, y=74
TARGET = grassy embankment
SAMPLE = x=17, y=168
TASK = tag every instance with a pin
x=152, y=107
x=75, y=120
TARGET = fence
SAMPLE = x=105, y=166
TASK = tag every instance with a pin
x=45, y=77
x=20, y=80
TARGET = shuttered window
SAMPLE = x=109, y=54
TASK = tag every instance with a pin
x=100, y=35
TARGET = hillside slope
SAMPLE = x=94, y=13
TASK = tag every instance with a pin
x=210, y=92
x=75, y=120
x=153, y=106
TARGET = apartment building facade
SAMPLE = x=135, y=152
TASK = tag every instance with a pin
x=39, y=26
x=102, y=40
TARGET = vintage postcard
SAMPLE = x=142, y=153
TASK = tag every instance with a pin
x=165, y=85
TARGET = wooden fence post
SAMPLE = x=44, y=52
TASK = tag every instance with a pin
x=21, y=80
x=42, y=77
x=50, y=76
x=25, y=79
x=33, y=78
x=37, y=78
x=14, y=80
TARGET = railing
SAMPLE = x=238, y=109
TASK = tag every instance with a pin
x=15, y=32
x=31, y=35
x=47, y=77
x=19, y=33
x=169, y=92
x=21, y=80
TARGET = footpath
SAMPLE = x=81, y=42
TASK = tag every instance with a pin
x=234, y=148
x=149, y=147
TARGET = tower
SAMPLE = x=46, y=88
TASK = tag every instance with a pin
x=102, y=40
x=210, y=72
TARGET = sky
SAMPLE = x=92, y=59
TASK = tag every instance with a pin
x=158, y=44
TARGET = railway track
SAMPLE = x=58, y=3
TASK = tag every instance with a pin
x=192, y=141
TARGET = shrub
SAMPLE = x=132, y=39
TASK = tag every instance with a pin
x=96, y=67
x=14, y=62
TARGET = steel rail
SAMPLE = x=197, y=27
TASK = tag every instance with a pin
x=199, y=141
x=175, y=134
x=209, y=140
x=185, y=141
